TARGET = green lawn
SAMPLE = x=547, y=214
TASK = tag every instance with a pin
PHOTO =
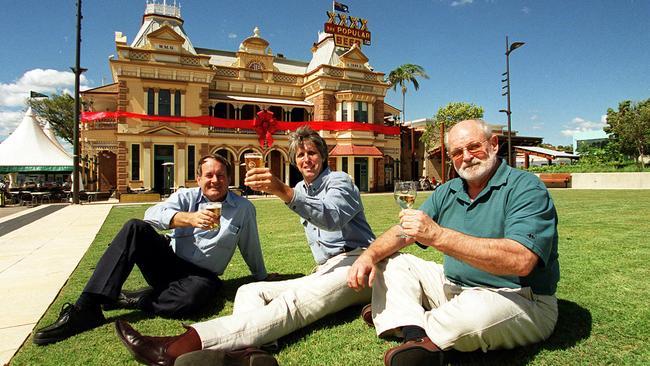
x=604, y=291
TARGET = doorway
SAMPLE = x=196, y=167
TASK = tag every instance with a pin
x=361, y=173
x=162, y=154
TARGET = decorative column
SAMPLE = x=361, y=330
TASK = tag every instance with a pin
x=287, y=172
x=122, y=163
x=371, y=174
x=181, y=164
x=146, y=165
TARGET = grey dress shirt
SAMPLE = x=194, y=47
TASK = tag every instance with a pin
x=212, y=249
x=332, y=214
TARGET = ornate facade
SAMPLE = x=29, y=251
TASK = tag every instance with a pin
x=167, y=94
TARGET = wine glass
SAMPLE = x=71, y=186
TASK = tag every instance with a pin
x=405, y=193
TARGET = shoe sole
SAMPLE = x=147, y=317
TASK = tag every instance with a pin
x=416, y=356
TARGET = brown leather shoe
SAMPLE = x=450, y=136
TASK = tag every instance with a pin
x=251, y=356
x=366, y=315
x=146, y=350
x=421, y=352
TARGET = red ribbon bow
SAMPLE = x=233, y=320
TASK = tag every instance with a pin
x=265, y=126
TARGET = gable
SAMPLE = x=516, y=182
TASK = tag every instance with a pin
x=162, y=130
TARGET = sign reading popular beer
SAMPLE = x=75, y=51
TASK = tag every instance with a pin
x=348, y=30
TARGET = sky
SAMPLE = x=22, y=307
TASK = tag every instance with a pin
x=579, y=59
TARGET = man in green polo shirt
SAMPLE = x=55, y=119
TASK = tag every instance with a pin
x=497, y=229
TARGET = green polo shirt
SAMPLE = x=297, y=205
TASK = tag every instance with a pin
x=514, y=205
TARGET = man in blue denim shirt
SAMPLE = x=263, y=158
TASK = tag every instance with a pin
x=331, y=212
x=182, y=270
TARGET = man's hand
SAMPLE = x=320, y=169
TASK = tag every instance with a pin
x=362, y=271
x=261, y=179
x=202, y=219
x=420, y=226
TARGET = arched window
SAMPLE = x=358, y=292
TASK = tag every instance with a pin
x=256, y=65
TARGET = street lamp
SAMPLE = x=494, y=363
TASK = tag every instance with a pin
x=509, y=49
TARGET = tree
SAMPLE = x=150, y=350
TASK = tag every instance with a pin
x=449, y=115
x=402, y=76
x=629, y=127
x=59, y=111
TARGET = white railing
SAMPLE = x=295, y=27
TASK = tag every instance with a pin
x=163, y=9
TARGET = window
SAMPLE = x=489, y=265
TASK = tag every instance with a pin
x=344, y=111
x=255, y=65
x=177, y=103
x=361, y=112
x=150, y=102
x=191, y=167
x=164, y=102
x=135, y=162
x=344, y=164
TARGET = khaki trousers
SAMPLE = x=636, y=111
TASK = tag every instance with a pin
x=266, y=311
x=411, y=291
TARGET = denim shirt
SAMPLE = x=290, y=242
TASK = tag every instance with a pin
x=212, y=249
x=331, y=212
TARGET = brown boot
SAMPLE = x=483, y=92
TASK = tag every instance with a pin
x=251, y=356
x=156, y=350
x=421, y=352
x=366, y=315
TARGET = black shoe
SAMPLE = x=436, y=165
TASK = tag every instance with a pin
x=137, y=299
x=72, y=320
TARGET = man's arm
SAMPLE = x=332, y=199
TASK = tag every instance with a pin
x=499, y=256
x=363, y=270
x=249, y=245
x=173, y=213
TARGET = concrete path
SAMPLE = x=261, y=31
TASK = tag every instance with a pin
x=35, y=262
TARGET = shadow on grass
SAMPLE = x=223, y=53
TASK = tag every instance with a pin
x=227, y=294
x=573, y=325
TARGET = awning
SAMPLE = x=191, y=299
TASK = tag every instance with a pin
x=238, y=98
x=545, y=153
x=355, y=150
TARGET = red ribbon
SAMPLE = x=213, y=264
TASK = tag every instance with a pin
x=265, y=126
x=249, y=124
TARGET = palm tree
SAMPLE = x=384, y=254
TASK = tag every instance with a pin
x=401, y=76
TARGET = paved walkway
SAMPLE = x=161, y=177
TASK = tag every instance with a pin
x=36, y=261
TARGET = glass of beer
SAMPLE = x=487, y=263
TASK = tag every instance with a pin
x=253, y=160
x=215, y=207
x=405, y=193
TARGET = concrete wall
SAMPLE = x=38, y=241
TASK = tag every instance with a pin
x=610, y=180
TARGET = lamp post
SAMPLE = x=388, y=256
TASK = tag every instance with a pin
x=508, y=112
x=75, y=147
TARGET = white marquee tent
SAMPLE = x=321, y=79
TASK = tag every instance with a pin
x=29, y=150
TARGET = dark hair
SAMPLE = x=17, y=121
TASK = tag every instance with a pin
x=296, y=139
x=217, y=157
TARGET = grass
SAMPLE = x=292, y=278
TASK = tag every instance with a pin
x=604, y=291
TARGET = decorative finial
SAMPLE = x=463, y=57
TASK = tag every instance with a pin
x=256, y=32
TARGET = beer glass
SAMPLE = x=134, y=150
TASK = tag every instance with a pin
x=253, y=160
x=405, y=193
x=215, y=207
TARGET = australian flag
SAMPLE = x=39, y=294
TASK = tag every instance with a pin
x=341, y=7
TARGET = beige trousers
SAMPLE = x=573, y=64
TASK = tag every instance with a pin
x=266, y=311
x=411, y=291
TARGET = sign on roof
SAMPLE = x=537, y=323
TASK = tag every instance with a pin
x=348, y=30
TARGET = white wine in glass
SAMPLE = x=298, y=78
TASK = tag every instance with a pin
x=405, y=193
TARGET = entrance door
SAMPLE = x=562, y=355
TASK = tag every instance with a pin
x=162, y=154
x=107, y=164
x=361, y=173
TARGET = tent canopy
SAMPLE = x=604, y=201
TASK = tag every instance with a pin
x=28, y=149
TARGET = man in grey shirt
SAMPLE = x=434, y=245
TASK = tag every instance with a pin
x=183, y=269
x=330, y=210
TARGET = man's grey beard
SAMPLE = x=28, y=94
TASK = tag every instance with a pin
x=479, y=169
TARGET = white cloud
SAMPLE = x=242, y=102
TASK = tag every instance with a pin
x=48, y=81
x=580, y=125
x=461, y=2
x=13, y=95
x=525, y=10
x=232, y=35
x=9, y=120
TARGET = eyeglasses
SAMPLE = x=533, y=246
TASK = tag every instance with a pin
x=472, y=148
